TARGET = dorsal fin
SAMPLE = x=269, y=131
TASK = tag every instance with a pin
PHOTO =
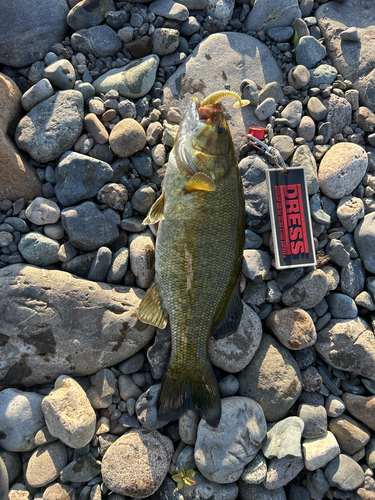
x=200, y=182
x=156, y=211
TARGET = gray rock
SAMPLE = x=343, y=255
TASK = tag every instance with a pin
x=265, y=109
x=306, y=128
x=318, y=452
x=316, y=109
x=293, y=327
x=36, y=94
x=353, y=278
x=266, y=14
x=63, y=347
x=255, y=472
x=256, y=264
x=102, y=229
x=337, y=252
x=190, y=26
x=146, y=409
x=81, y=470
x=142, y=258
x=323, y=74
x=46, y=463
x=352, y=60
x=164, y=41
x=253, y=174
x=259, y=492
x=272, y=89
x=100, y=264
x=79, y=177
x=299, y=492
x=52, y=126
x=133, y=80
x=272, y=378
x=4, y=480
x=202, y=76
x=309, y=51
x=282, y=471
x=159, y=353
x=240, y=433
x=284, y=439
x=128, y=388
x=21, y=418
x=281, y=33
x=42, y=211
x=228, y=386
x=29, y=32
x=339, y=112
x=348, y=345
x=143, y=199
x=284, y=144
x=342, y=306
x=298, y=76
x=61, y=74
x=364, y=237
x=255, y=293
x=119, y=266
x=39, y=250
x=293, y=113
x=13, y=464
x=169, y=10
x=252, y=240
x=308, y=291
x=351, y=435
x=304, y=157
x=186, y=459
x=344, y=473
x=188, y=426
x=315, y=419
x=149, y=450
x=349, y=211
x=317, y=485
x=79, y=265
x=335, y=406
x=234, y=352
x=204, y=488
x=88, y=13
x=102, y=41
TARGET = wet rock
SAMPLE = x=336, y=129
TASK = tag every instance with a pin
x=272, y=378
x=242, y=428
x=70, y=343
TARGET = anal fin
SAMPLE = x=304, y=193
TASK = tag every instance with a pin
x=156, y=211
x=200, y=182
x=151, y=308
x=231, y=320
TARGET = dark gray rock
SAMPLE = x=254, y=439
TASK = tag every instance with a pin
x=89, y=228
x=100, y=265
x=159, y=353
x=146, y=409
x=52, y=126
x=102, y=41
x=259, y=492
x=353, y=277
x=315, y=420
x=89, y=13
x=79, y=265
x=4, y=480
x=364, y=237
x=79, y=177
x=309, y=51
x=341, y=306
x=81, y=470
x=265, y=15
x=29, y=28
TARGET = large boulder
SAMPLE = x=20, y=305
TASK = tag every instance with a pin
x=55, y=323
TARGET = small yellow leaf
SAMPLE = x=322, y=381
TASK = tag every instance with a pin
x=190, y=473
x=177, y=477
x=180, y=485
x=189, y=481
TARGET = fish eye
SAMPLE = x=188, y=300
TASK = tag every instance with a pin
x=220, y=129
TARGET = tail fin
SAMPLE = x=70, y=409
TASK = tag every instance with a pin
x=190, y=389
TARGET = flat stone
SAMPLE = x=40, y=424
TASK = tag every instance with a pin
x=102, y=229
x=52, y=126
x=350, y=434
x=272, y=378
x=169, y=10
x=353, y=277
x=133, y=80
x=19, y=179
x=344, y=473
x=308, y=291
x=315, y=419
x=36, y=94
x=137, y=463
x=265, y=109
x=102, y=41
x=293, y=327
x=46, y=463
x=364, y=237
x=63, y=348
x=255, y=472
x=39, y=250
x=354, y=61
x=282, y=471
x=240, y=433
x=309, y=51
x=323, y=74
x=202, y=76
x=146, y=409
x=265, y=15
x=81, y=470
x=27, y=36
x=349, y=345
x=318, y=452
x=284, y=439
x=79, y=177
x=21, y=419
x=88, y=13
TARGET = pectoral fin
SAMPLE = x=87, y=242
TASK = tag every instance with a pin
x=229, y=324
x=156, y=211
x=200, y=182
x=151, y=309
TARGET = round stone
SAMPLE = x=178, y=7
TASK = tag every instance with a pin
x=293, y=113
x=42, y=211
x=293, y=327
x=342, y=169
x=39, y=250
x=316, y=109
x=137, y=463
x=72, y=427
x=299, y=76
x=284, y=143
x=54, y=231
x=143, y=199
x=61, y=74
x=127, y=137
x=306, y=128
x=46, y=463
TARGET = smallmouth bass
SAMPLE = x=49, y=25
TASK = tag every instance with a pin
x=198, y=256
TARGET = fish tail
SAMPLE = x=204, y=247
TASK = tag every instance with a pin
x=190, y=389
